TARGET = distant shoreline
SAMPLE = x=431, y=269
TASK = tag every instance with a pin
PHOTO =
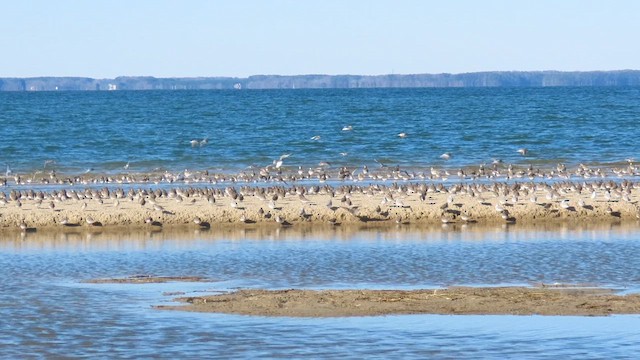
x=319, y=81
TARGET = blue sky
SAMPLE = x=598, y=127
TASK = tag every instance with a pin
x=244, y=37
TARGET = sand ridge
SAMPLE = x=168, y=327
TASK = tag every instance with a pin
x=411, y=203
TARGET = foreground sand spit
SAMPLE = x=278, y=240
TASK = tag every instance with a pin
x=455, y=300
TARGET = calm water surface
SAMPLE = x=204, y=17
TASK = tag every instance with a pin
x=47, y=312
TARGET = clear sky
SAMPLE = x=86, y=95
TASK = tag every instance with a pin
x=188, y=38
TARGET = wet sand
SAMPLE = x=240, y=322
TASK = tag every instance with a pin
x=290, y=206
x=454, y=300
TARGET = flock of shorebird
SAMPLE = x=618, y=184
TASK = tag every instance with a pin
x=324, y=171
x=397, y=202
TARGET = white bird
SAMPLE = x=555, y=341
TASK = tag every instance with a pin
x=315, y=138
x=565, y=204
x=347, y=128
x=445, y=156
x=278, y=163
x=523, y=151
x=194, y=143
x=402, y=135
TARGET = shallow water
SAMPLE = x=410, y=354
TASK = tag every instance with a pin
x=48, y=312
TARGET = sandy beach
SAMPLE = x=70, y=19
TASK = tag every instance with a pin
x=413, y=203
x=454, y=300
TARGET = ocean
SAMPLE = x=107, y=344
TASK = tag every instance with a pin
x=72, y=132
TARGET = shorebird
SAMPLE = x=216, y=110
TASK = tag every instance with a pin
x=446, y=220
x=304, y=199
x=243, y=218
x=23, y=225
x=523, y=151
x=581, y=203
x=565, y=204
x=90, y=221
x=445, y=156
x=347, y=128
x=402, y=135
x=315, y=138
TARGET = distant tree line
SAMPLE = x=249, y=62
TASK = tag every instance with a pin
x=477, y=79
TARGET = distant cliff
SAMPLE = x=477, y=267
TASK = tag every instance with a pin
x=477, y=79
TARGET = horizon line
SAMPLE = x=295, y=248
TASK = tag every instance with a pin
x=318, y=74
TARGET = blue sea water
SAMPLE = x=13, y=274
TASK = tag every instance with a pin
x=152, y=130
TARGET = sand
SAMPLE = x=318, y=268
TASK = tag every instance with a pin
x=455, y=300
x=415, y=203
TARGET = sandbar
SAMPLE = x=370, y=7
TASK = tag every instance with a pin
x=540, y=300
x=397, y=203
